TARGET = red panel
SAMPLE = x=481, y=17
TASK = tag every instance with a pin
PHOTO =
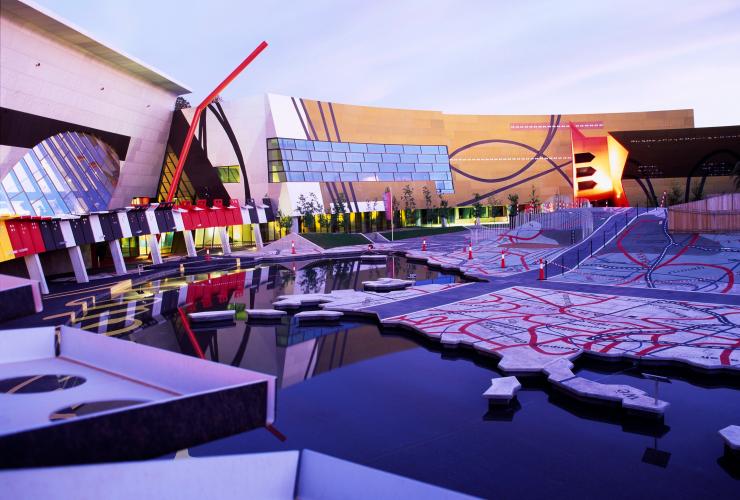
x=234, y=213
x=200, y=214
x=36, y=237
x=20, y=249
x=24, y=234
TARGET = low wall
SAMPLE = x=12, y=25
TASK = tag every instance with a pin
x=719, y=214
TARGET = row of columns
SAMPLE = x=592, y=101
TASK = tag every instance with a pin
x=36, y=271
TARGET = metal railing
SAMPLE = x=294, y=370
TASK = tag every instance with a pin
x=603, y=235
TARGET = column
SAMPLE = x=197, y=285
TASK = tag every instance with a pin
x=78, y=264
x=118, y=262
x=154, y=249
x=257, y=236
x=224, y=235
x=189, y=243
x=36, y=272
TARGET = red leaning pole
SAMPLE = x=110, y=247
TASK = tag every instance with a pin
x=196, y=117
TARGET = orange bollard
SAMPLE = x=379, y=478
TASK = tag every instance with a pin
x=470, y=251
x=292, y=247
x=423, y=245
x=542, y=270
x=503, y=260
x=208, y=254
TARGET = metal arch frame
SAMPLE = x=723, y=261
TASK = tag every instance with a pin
x=199, y=110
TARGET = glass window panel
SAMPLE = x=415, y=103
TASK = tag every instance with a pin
x=10, y=184
x=272, y=144
x=409, y=149
x=348, y=176
x=358, y=157
x=391, y=158
x=287, y=143
x=358, y=148
x=337, y=156
x=433, y=150
x=316, y=166
x=301, y=155
x=375, y=148
x=319, y=156
x=340, y=146
x=297, y=166
x=393, y=148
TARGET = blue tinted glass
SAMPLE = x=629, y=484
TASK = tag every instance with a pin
x=405, y=167
x=367, y=177
x=441, y=167
x=429, y=150
x=391, y=158
x=322, y=146
x=331, y=176
x=313, y=176
x=440, y=185
x=420, y=176
x=355, y=157
x=301, y=155
x=303, y=145
x=337, y=156
x=448, y=185
x=287, y=143
x=443, y=150
x=387, y=167
x=393, y=148
x=295, y=176
x=414, y=150
x=319, y=156
x=299, y=166
x=316, y=166
x=374, y=157
x=402, y=176
x=351, y=167
x=375, y=148
x=423, y=167
x=358, y=148
x=340, y=146
x=409, y=158
x=334, y=167
x=427, y=158
x=438, y=176
x=385, y=177
x=442, y=158
x=369, y=167
x=348, y=176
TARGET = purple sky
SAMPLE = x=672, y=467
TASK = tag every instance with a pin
x=478, y=57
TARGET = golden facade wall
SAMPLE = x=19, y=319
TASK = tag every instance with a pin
x=493, y=155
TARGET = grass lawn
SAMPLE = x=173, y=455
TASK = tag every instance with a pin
x=331, y=240
x=415, y=232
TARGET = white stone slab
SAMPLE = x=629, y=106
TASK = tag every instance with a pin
x=503, y=389
x=318, y=316
x=731, y=436
x=265, y=313
x=387, y=284
x=203, y=316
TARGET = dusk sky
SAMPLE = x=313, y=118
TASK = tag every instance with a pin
x=478, y=57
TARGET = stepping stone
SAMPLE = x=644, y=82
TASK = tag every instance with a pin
x=322, y=315
x=386, y=285
x=373, y=258
x=265, y=313
x=502, y=390
x=203, y=316
x=731, y=437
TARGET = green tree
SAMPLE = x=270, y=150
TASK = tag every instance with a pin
x=409, y=204
x=285, y=222
x=443, y=211
x=340, y=212
x=674, y=196
x=697, y=192
x=513, y=204
x=309, y=206
x=477, y=207
x=534, y=200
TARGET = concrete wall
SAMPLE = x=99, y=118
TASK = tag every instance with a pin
x=46, y=76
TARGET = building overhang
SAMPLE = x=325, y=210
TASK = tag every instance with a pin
x=36, y=17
